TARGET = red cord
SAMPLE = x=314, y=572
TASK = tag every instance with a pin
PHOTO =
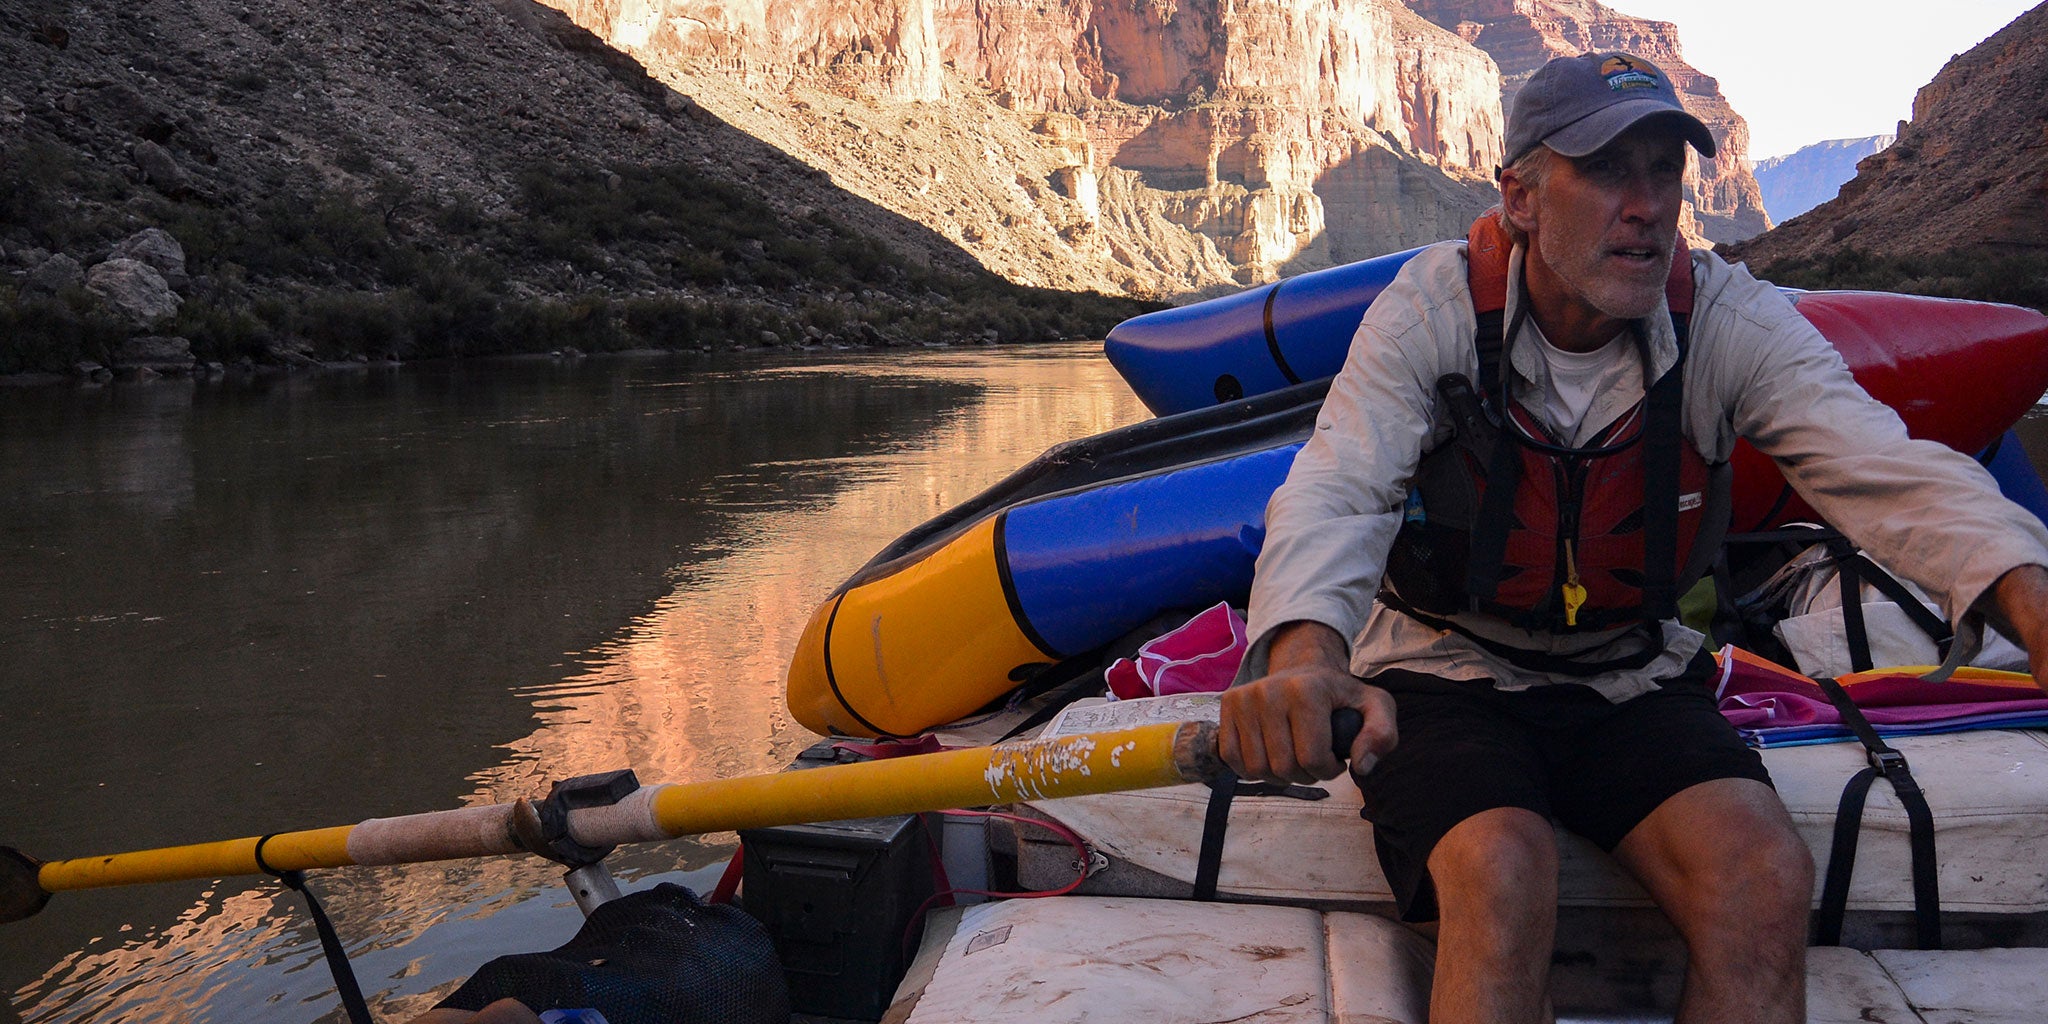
x=1073, y=838
x=729, y=882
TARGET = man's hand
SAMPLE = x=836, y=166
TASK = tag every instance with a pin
x=1277, y=728
x=2022, y=615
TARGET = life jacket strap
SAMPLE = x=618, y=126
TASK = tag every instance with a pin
x=1660, y=483
x=1535, y=661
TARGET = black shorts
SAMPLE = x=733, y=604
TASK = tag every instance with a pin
x=1564, y=752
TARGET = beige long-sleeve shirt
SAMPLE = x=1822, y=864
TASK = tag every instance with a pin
x=1755, y=369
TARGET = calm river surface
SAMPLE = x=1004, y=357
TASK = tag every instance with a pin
x=234, y=608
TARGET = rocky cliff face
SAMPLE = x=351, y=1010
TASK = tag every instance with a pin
x=402, y=178
x=1162, y=148
x=1968, y=174
x=1799, y=181
x=1725, y=202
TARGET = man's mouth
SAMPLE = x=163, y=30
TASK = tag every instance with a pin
x=1636, y=255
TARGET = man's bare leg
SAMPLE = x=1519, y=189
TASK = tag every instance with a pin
x=1724, y=863
x=1496, y=886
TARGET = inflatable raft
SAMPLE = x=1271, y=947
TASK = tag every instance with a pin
x=1098, y=536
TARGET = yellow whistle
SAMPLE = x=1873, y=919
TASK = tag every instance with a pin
x=1574, y=595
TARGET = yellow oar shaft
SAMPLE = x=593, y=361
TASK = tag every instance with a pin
x=1157, y=755
x=287, y=851
x=1154, y=755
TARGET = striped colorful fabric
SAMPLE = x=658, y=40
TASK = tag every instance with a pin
x=1774, y=706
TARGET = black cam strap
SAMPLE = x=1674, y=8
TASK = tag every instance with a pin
x=1209, y=863
x=1885, y=761
x=1854, y=569
x=1216, y=823
x=330, y=944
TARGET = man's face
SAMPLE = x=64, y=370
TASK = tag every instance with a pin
x=1603, y=225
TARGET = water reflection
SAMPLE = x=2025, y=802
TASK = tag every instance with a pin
x=330, y=598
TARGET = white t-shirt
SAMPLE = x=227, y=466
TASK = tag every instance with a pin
x=1575, y=379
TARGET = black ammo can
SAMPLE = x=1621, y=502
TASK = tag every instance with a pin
x=837, y=898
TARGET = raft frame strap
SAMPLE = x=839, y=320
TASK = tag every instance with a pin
x=1885, y=761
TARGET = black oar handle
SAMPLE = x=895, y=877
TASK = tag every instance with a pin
x=1345, y=724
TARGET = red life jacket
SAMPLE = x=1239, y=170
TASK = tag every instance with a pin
x=1508, y=521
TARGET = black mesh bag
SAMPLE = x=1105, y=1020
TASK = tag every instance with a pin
x=659, y=956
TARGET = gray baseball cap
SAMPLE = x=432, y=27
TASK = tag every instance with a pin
x=1575, y=105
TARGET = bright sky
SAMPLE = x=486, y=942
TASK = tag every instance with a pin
x=1804, y=71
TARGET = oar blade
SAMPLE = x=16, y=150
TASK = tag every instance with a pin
x=21, y=895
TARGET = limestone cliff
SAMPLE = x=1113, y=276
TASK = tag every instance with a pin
x=1725, y=202
x=1159, y=147
x=1967, y=176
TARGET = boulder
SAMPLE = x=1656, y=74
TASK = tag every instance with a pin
x=156, y=247
x=51, y=32
x=155, y=352
x=133, y=291
x=160, y=168
x=52, y=275
x=293, y=353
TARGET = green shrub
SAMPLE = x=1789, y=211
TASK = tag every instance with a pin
x=52, y=333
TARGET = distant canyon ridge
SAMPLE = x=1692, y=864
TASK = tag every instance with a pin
x=1799, y=181
x=1157, y=147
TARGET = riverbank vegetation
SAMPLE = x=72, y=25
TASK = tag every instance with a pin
x=592, y=259
x=2020, y=278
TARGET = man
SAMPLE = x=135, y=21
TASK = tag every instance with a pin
x=1526, y=690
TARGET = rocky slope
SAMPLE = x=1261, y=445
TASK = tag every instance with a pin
x=1966, y=180
x=401, y=178
x=408, y=178
x=1797, y=182
x=1156, y=148
x=1722, y=195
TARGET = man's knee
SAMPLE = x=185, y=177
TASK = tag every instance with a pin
x=1764, y=855
x=1724, y=856
x=1773, y=867
x=1504, y=846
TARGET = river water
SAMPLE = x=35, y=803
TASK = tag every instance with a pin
x=240, y=607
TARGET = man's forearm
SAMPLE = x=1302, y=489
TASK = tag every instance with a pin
x=2020, y=611
x=1305, y=643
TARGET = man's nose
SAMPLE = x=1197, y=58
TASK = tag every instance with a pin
x=1645, y=200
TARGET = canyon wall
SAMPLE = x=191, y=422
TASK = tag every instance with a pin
x=1158, y=147
x=1726, y=203
x=1967, y=177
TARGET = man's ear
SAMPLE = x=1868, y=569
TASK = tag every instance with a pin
x=1517, y=201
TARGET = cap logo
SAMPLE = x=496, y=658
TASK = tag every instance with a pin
x=1625, y=72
